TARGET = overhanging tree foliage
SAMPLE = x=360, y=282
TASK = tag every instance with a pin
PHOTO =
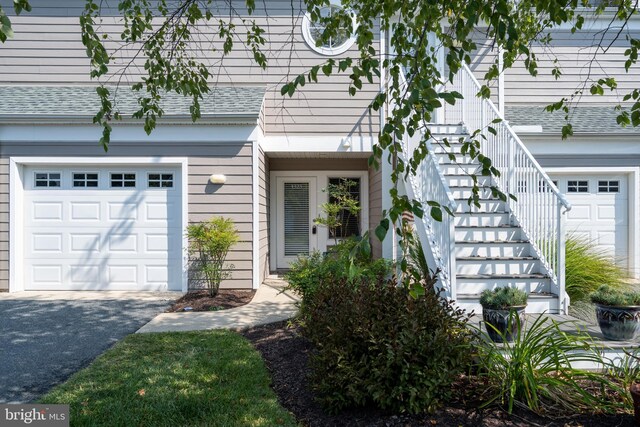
x=418, y=31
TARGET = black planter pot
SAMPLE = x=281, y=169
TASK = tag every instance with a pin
x=619, y=323
x=504, y=322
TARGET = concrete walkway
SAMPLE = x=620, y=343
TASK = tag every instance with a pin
x=269, y=305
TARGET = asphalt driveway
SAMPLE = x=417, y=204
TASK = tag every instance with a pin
x=43, y=340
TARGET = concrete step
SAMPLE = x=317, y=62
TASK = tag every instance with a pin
x=537, y=303
x=486, y=205
x=482, y=219
x=493, y=248
x=488, y=233
x=461, y=179
x=497, y=265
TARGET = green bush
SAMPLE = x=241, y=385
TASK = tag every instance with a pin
x=587, y=267
x=342, y=263
x=605, y=295
x=209, y=244
x=502, y=298
x=535, y=372
x=376, y=344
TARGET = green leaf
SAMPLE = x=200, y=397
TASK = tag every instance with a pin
x=382, y=229
x=436, y=213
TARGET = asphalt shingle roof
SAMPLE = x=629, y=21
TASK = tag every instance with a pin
x=23, y=101
x=585, y=120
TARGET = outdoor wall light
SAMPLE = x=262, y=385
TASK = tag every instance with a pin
x=217, y=179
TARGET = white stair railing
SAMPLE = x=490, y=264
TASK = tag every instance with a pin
x=540, y=207
x=437, y=237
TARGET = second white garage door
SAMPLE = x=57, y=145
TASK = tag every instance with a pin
x=96, y=228
x=600, y=210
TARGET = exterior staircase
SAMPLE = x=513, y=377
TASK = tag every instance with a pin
x=491, y=249
x=516, y=243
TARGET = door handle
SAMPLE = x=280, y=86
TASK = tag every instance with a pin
x=314, y=230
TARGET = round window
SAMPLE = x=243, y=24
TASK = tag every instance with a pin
x=335, y=45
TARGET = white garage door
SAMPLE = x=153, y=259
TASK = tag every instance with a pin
x=600, y=210
x=96, y=228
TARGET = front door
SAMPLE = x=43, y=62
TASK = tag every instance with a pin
x=296, y=210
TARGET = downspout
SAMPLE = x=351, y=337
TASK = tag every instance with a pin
x=383, y=119
x=501, y=80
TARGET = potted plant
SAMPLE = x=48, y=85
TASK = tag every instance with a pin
x=618, y=313
x=503, y=312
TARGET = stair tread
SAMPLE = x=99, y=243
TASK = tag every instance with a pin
x=531, y=295
x=503, y=276
x=486, y=226
x=491, y=242
x=483, y=213
x=497, y=258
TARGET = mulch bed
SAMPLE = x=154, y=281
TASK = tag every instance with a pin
x=201, y=301
x=286, y=354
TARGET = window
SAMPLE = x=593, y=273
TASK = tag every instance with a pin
x=160, y=180
x=47, y=179
x=85, y=180
x=608, y=186
x=119, y=180
x=312, y=33
x=521, y=187
x=578, y=186
x=350, y=223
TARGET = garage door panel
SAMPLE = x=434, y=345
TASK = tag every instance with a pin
x=599, y=214
x=103, y=238
x=84, y=211
x=46, y=211
x=579, y=212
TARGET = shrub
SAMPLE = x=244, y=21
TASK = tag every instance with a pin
x=343, y=263
x=605, y=295
x=587, y=267
x=209, y=244
x=376, y=344
x=502, y=298
x=535, y=371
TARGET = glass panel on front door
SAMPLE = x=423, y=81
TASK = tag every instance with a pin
x=296, y=218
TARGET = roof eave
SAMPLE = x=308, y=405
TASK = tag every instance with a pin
x=181, y=119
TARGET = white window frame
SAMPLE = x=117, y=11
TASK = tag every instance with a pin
x=123, y=187
x=324, y=50
x=48, y=187
x=85, y=187
x=16, y=202
x=173, y=180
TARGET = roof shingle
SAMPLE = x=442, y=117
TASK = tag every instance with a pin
x=56, y=101
x=584, y=120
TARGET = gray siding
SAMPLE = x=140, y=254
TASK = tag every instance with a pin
x=578, y=62
x=232, y=200
x=263, y=200
x=47, y=49
x=375, y=209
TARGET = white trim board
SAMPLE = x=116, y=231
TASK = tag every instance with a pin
x=16, y=191
x=163, y=133
x=322, y=178
x=634, y=203
x=329, y=143
x=255, y=209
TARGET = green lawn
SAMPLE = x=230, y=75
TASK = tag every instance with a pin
x=211, y=378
